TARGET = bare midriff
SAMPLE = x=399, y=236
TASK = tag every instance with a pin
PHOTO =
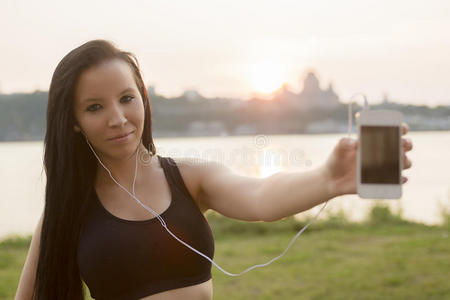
x=202, y=291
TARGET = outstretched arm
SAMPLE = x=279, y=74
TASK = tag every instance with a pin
x=284, y=193
x=287, y=193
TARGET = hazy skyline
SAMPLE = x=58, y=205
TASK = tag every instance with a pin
x=234, y=48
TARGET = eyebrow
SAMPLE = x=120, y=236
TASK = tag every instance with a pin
x=129, y=89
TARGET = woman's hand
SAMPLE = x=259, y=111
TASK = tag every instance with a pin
x=340, y=167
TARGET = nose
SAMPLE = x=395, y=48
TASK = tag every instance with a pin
x=117, y=117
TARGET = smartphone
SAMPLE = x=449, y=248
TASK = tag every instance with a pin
x=380, y=153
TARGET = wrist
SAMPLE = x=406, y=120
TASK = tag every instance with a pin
x=328, y=182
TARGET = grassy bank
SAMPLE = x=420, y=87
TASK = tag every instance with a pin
x=383, y=258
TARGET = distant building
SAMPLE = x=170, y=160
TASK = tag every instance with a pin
x=311, y=97
x=192, y=96
x=386, y=99
x=285, y=95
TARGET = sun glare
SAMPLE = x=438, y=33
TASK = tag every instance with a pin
x=267, y=76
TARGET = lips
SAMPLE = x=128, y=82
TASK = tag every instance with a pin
x=120, y=136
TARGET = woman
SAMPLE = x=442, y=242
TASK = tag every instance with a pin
x=99, y=136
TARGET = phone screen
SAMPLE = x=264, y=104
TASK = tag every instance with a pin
x=380, y=154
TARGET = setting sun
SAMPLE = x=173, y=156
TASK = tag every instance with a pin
x=267, y=76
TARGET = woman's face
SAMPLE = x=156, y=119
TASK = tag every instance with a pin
x=108, y=106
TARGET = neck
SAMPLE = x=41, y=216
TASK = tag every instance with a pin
x=122, y=170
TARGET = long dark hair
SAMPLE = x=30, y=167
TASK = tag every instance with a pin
x=71, y=167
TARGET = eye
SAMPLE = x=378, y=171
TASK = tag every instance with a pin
x=93, y=107
x=126, y=99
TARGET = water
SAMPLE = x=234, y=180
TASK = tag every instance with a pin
x=425, y=196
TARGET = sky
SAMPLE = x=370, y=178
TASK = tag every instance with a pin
x=235, y=48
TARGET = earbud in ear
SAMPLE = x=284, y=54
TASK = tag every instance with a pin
x=78, y=129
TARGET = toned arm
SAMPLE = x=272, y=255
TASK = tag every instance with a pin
x=232, y=195
x=217, y=187
x=287, y=193
x=283, y=193
x=27, y=278
x=262, y=199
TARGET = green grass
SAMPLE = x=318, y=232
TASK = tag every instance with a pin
x=13, y=252
x=383, y=258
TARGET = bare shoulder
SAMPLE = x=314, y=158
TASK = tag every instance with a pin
x=192, y=171
x=216, y=186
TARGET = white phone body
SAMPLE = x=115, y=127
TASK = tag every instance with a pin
x=380, y=154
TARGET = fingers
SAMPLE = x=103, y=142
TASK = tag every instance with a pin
x=405, y=128
x=407, y=144
x=407, y=163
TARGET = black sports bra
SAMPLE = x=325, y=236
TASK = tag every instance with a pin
x=124, y=259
